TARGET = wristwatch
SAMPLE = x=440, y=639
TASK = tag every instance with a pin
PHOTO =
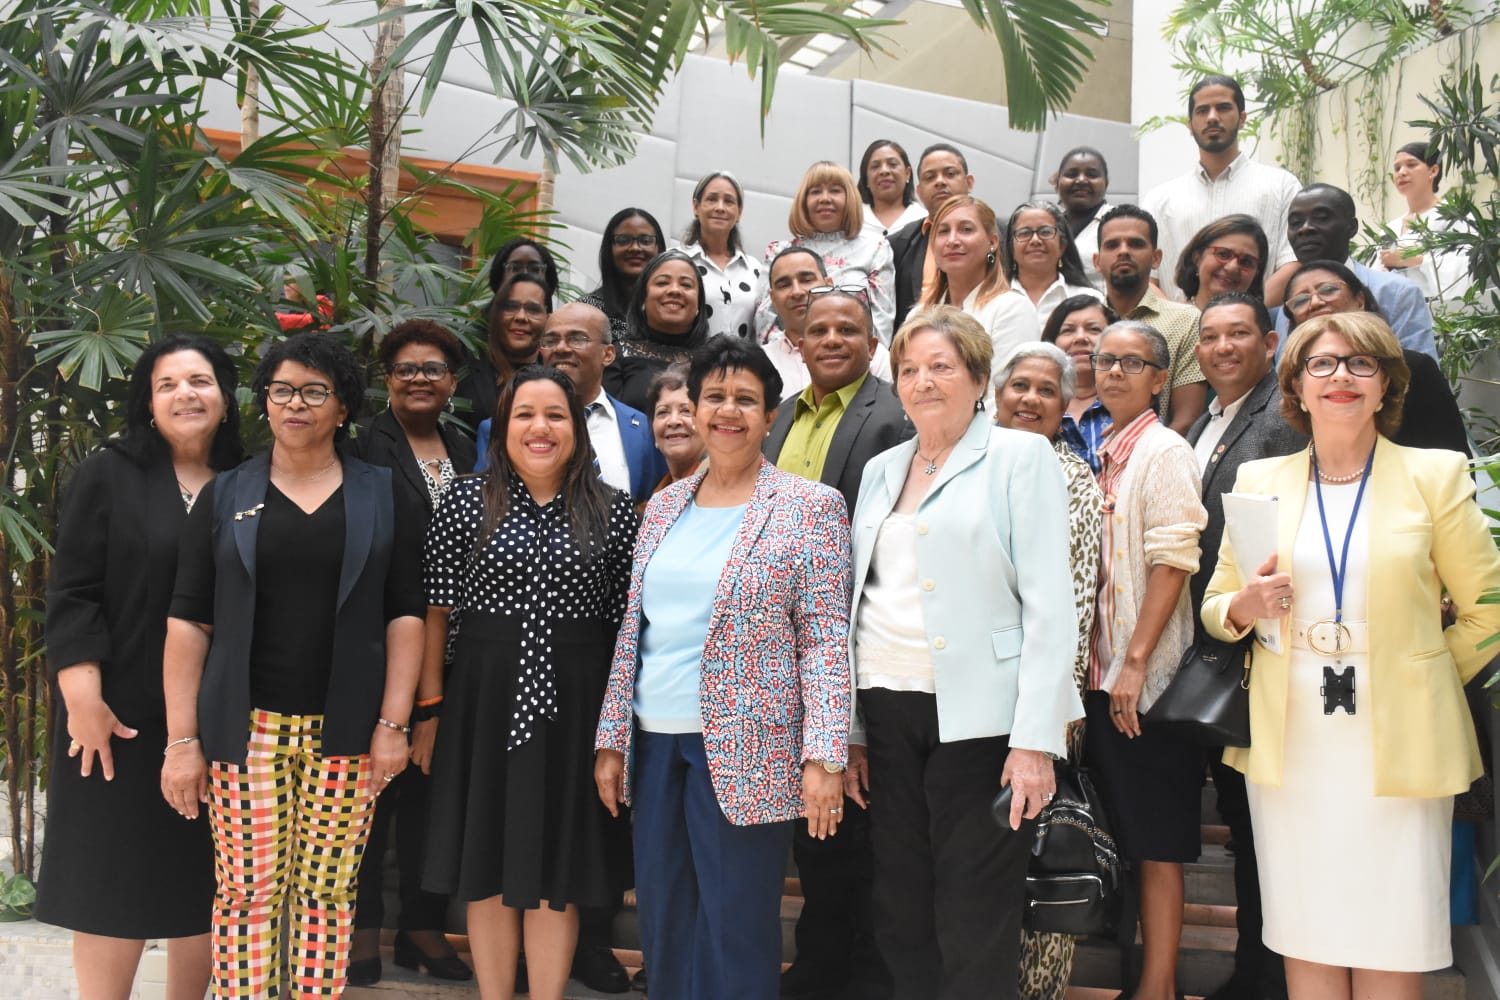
x=829, y=766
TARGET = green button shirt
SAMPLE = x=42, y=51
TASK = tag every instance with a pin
x=807, y=440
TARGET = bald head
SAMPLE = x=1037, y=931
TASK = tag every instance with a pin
x=576, y=341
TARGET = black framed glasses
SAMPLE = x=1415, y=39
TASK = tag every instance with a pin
x=1130, y=364
x=535, y=268
x=1358, y=365
x=1325, y=291
x=407, y=371
x=577, y=340
x=1044, y=233
x=313, y=393
x=853, y=291
x=646, y=241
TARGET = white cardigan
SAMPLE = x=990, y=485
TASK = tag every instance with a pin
x=1158, y=517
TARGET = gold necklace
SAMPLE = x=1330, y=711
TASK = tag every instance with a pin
x=307, y=478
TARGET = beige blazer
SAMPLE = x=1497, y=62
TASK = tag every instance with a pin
x=1427, y=533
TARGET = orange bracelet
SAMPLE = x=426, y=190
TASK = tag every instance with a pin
x=429, y=702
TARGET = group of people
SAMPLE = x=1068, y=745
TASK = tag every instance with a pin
x=809, y=553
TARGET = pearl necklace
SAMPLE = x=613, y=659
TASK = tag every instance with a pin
x=1339, y=480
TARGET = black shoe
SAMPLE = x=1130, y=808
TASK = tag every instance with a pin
x=638, y=981
x=364, y=971
x=806, y=981
x=598, y=969
x=409, y=956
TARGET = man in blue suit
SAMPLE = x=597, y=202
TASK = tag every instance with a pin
x=577, y=342
x=1321, y=224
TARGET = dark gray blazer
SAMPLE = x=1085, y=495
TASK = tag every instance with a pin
x=1257, y=431
x=873, y=422
x=909, y=254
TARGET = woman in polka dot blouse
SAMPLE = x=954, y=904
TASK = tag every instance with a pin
x=534, y=558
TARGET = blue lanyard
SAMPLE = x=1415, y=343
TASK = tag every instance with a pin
x=1343, y=564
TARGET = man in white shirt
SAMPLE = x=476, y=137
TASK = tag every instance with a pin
x=577, y=342
x=1236, y=344
x=1225, y=181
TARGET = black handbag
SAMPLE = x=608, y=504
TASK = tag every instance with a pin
x=1208, y=701
x=1073, y=883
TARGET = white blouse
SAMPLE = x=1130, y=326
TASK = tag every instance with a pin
x=729, y=292
x=1441, y=276
x=1009, y=318
x=890, y=639
x=915, y=212
x=1055, y=294
x=866, y=260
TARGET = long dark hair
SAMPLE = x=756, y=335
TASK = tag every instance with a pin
x=635, y=314
x=908, y=193
x=585, y=497
x=1070, y=267
x=614, y=288
x=142, y=441
x=502, y=256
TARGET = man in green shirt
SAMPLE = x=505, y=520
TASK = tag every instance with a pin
x=827, y=433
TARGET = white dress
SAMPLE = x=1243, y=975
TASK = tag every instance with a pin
x=1347, y=878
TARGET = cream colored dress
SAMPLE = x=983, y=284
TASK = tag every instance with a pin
x=1346, y=877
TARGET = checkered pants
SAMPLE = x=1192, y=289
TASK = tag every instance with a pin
x=289, y=827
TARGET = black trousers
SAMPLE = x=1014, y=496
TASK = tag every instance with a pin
x=950, y=884
x=835, y=932
x=404, y=806
x=1259, y=973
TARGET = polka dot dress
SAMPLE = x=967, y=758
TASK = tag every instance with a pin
x=531, y=570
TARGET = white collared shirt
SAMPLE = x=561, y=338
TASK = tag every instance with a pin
x=604, y=435
x=1009, y=319
x=1054, y=296
x=729, y=292
x=1219, y=419
x=1186, y=204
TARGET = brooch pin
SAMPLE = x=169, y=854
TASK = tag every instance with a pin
x=241, y=515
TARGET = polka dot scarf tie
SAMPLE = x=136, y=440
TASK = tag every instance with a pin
x=536, y=686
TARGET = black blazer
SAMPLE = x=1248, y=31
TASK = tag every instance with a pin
x=909, y=251
x=381, y=441
x=112, y=575
x=357, y=681
x=873, y=423
x=1430, y=417
x=1257, y=431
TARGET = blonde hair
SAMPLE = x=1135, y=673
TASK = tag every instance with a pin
x=826, y=172
x=968, y=337
x=1366, y=334
x=994, y=282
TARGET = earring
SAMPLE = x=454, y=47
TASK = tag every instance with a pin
x=153, y=423
x=1380, y=406
x=1303, y=405
x=449, y=405
x=989, y=259
x=979, y=405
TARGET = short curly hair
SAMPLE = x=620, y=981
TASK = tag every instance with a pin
x=724, y=353
x=325, y=355
x=1366, y=334
x=421, y=331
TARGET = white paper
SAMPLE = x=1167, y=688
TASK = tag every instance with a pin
x=1251, y=520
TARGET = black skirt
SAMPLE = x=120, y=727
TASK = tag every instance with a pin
x=1151, y=786
x=525, y=824
x=117, y=861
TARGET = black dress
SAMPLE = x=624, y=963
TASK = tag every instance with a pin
x=514, y=810
x=118, y=861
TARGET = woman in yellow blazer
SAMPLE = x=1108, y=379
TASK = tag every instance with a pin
x=1360, y=735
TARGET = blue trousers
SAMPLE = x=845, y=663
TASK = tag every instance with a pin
x=708, y=892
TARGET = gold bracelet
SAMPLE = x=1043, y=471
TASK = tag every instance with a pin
x=387, y=723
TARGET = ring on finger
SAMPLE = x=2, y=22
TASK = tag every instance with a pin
x=74, y=746
x=835, y=810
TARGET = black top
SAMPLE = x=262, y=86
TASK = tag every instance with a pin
x=638, y=361
x=618, y=328
x=111, y=582
x=530, y=568
x=909, y=256
x=381, y=440
x=245, y=544
x=1430, y=417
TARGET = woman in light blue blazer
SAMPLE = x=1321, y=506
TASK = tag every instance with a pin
x=963, y=637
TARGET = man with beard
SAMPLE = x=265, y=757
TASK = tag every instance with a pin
x=942, y=173
x=1225, y=181
x=826, y=433
x=1320, y=225
x=1127, y=253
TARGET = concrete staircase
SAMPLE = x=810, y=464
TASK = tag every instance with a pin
x=1204, y=963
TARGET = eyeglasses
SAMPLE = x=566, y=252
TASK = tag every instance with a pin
x=534, y=267
x=533, y=309
x=1326, y=292
x=1044, y=233
x=1247, y=261
x=313, y=394
x=407, y=371
x=645, y=241
x=1358, y=365
x=1130, y=364
x=853, y=291
x=578, y=340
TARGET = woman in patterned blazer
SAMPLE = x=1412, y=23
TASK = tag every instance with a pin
x=729, y=694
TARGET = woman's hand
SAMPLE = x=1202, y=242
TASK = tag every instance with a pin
x=388, y=757
x=1032, y=782
x=90, y=726
x=609, y=778
x=1267, y=594
x=184, y=779
x=857, y=775
x=1125, y=696
x=822, y=800
x=423, y=739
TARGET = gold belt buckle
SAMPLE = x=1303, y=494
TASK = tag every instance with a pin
x=1329, y=637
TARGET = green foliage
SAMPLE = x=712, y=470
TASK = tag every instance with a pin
x=17, y=896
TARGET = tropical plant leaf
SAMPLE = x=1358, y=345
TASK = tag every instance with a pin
x=114, y=328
